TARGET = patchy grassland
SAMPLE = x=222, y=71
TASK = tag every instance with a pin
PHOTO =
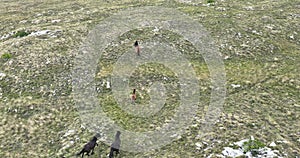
x=258, y=39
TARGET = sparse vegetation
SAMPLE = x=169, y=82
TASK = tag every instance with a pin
x=234, y=146
x=21, y=33
x=258, y=40
x=6, y=56
x=253, y=146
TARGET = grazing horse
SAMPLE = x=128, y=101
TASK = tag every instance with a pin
x=137, y=47
x=133, y=96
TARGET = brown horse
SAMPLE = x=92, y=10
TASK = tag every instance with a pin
x=137, y=48
x=133, y=96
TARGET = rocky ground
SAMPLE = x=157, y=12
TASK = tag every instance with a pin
x=259, y=42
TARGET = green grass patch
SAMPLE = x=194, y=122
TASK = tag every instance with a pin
x=6, y=56
x=253, y=146
x=21, y=33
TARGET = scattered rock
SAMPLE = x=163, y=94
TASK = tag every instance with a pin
x=226, y=57
x=67, y=145
x=235, y=85
x=191, y=2
x=45, y=32
x=55, y=21
x=198, y=145
x=262, y=152
x=272, y=144
x=232, y=152
x=39, y=33
x=2, y=75
x=156, y=29
x=107, y=84
x=221, y=9
x=69, y=133
x=23, y=22
x=249, y=8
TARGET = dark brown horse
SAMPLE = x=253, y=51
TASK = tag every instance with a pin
x=115, y=146
x=89, y=147
x=137, y=48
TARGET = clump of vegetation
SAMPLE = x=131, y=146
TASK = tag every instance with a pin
x=21, y=33
x=210, y=1
x=234, y=146
x=6, y=56
x=253, y=146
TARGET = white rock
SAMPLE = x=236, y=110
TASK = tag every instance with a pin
x=267, y=152
x=156, y=29
x=217, y=155
x=5, y=36
x=240, y=143
x=198, y=145
x=39, y=33
x=249, y=8
x=23, y=21
x=269, y=26
x=174, y=135
x=194, y=125
x=2, y=75
x=235, y=85
x=48, y=62
x=284, y=141
x=205, y=143
x=36, y=21
x=263, y=152
x=226, y=57
x=232, y=152
x=272, y=144
x=69, y=132
x=248, y=154
x=68, y=145
x=244, y=45
x=55, y=21
x=107, y=84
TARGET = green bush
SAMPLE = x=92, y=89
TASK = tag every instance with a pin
x=253, y=146
x=210, y=1
x=6, y=56
x=20, y=34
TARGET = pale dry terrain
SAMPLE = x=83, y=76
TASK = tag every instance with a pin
x=259, y=41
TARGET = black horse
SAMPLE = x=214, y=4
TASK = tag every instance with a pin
x=89, y=147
